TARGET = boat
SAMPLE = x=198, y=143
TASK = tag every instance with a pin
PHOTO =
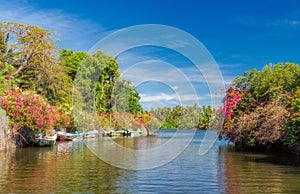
x=117, y=133
x=122, y=133
x=136, y=133
x=91, y=134
x=45, y=141
x=64, y=136
x=78, y=136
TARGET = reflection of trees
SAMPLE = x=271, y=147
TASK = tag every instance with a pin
x=137, y=143
x=244, y=175
x=66, y=169
x=28, y=171
x=5, y=162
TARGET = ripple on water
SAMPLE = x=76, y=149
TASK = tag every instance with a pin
x=70, y=167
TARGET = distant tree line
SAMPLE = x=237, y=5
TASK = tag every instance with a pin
x=184, y=117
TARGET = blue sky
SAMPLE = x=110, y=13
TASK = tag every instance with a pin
x=240, y=35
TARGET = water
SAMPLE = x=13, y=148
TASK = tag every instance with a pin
x=70, y=167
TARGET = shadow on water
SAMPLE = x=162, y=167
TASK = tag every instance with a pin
x=280, y=158
x=259, y=173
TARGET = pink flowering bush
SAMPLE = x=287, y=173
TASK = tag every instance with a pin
x=27, y=109
x=233, y=99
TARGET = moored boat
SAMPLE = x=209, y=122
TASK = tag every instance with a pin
x=91, y=134
x=136, y=133
x=45, y=141
x=122, y=133
x=64, y=136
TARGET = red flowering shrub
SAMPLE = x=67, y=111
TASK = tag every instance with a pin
x=230, y=109
x=232, y=100
x=27, y=109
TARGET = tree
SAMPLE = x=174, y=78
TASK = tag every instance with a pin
x=184, y=117
x=109, y=75
x=71, y=61
x=205, y=117
x=125, y=98
x=32, y=54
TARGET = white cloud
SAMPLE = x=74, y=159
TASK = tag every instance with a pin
x=73, y=32
x=158, y=97
x=283, y=23
x=163, y=97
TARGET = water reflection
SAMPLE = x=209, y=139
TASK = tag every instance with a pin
x=67, y=167
x=244, y=174
x=141, y=153
x=71, y=167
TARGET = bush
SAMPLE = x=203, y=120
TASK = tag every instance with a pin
x=27, y=110
x=260, y=127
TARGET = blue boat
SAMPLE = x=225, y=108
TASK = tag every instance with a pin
x=45, y=141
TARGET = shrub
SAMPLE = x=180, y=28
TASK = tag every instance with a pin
x=262, y=126
x=27, y=110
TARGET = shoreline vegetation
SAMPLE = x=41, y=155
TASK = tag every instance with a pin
x=262, y=110
x=36, y=91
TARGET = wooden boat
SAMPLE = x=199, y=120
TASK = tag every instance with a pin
x=122, y=133
x=91, y=134
x=45, y=141
x=117, y=133
x=136, y=133
x=64, y=136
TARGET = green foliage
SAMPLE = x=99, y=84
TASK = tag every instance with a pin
x=85, y=83
x=274, y=81
x=168, y=125
x=109, y=75
x=71, y=61
x=293, y=127
x=30, y=58
x=188, y=117
x=153, y=124
x=256, y=107
x=205, y=117
x=5, y=77
x=125, y=98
